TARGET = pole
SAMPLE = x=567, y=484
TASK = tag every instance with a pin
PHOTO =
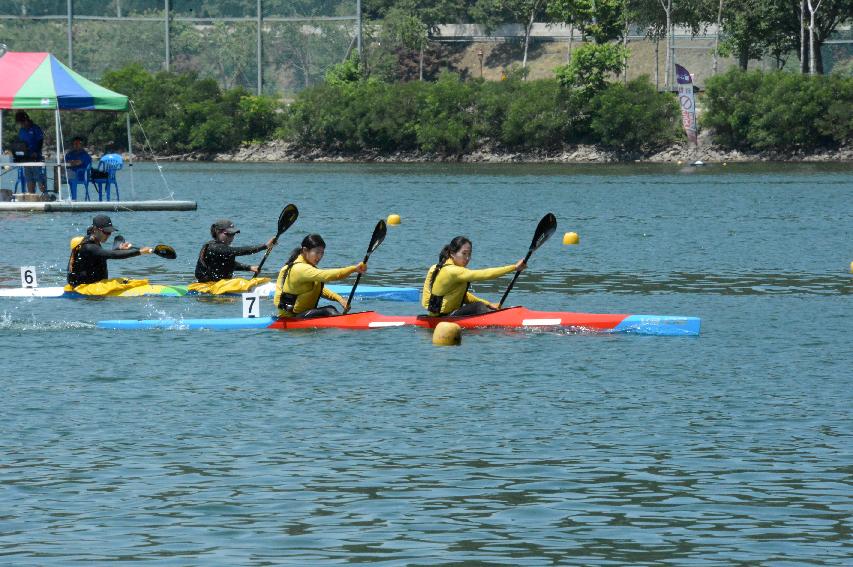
x=130, y=154
x=260, y=52
x=168, y=47
x=56, y=170
x=70, y=45
x=358, y=31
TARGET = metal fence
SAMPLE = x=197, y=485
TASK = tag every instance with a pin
x=267, y=46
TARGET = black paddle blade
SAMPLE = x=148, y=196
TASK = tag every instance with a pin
x=165, y=251
x=287, y=217
x=118, y=241
x=544, y=230
x=378, y=236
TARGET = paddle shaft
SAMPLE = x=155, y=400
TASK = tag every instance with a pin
x=355, y=285
x=267, y=254
x=514, y=277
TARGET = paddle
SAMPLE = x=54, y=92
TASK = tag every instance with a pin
x=165, y=251
x=162, y=250
x=544, y=230
x=375, y=240
x=288, y=216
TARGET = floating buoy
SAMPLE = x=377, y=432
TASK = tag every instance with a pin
x=447, y=334
x=851, y=267
x=570, y=238
x=698, y=162
x=394, y=219
x=75, y=241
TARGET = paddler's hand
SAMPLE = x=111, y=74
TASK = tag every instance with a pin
x=270, y=243
x=520, y=265
x=126, y=246
x=361, y=267
x=143, y=250
x=253, y=269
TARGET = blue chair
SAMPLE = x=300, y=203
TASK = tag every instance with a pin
x=21, y=180
x=78, y=176
x=107, y=165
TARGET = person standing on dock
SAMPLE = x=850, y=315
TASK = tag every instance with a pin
x=31, y=134
x=88, y=262
x=217, y=261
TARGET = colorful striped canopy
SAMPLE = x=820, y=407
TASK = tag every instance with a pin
x=40, y=81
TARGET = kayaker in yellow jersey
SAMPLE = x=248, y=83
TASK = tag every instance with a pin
x=446, y=287
x=300, y=282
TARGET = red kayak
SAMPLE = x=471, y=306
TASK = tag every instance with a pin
x=512, y=317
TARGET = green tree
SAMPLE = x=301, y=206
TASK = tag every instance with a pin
x=752, y=29
x=587, y=72
x=493, y=13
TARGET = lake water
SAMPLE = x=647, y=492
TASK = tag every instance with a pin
x=516, y=448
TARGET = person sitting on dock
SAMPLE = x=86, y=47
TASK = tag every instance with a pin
x=217, y=261
x=78, y=159
x=31, y=135
x=446, y=286
x=87, y=266
x=300, y=282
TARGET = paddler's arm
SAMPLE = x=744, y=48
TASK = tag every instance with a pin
x=245, y=250
x=332, y=296
x=119, y=254
x=310, y=273
x=466, y=275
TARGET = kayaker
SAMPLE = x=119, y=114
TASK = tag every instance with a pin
x=88, y=261
x=217, y=259
x=446, y=287
x=300, y=282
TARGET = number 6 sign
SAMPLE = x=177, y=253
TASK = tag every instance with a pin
x=28, y=277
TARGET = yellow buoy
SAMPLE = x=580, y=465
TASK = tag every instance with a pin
x=851, y=267
x=447, y=334
x=570, y=238
x=75, y=241
x=394, y=219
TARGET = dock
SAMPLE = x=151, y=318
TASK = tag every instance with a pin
x=90, y=206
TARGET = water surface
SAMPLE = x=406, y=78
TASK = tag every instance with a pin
x=522, y=448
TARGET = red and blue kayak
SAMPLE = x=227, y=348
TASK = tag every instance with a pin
x=509, y=318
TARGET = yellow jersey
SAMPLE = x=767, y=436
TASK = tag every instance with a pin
x=306, y=282
x=452, y=284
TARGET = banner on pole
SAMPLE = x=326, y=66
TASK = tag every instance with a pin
x=687, y=102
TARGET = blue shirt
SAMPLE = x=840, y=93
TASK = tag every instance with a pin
x=33, y=137
x=85, y=159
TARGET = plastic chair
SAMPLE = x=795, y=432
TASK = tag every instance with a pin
x=109, y=164
x=78, y=176
x=21, y=180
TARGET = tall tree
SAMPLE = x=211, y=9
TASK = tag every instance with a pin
x=493, y=13
x=753, y=28
x=828, y=15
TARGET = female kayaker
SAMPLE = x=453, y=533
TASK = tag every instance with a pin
x=446, y=287
x=88, y=261
x=217, y=259
x=300, y=282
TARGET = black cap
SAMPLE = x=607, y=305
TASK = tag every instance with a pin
x=103, y=223
x=225, y=225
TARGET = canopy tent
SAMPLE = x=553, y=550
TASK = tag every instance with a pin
x=39, y=81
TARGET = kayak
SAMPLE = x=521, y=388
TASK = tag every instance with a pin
x=266, y=290
x=509, y=318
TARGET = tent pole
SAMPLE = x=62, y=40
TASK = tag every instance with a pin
x=58, y=147
x=130, y=156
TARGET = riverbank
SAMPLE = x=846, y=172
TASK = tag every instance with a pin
x=281, y=151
